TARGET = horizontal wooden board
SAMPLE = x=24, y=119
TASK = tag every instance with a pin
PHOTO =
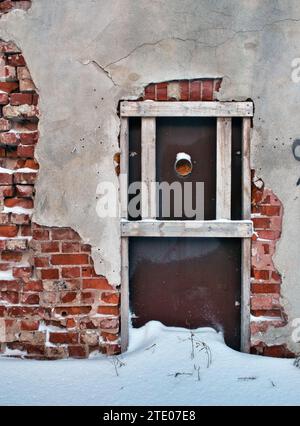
x=186, y=109
x=188, y=228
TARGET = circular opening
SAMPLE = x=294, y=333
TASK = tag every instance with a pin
x=183, y=164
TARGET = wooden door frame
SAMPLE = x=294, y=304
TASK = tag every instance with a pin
x=222, y=227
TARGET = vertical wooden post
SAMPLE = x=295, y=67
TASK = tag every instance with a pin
x=124, y=160
x=148, y=192
x=223, y=208
x=246, y=243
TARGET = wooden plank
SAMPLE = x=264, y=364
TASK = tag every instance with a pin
x=246, y=169
x=148, y=192
x=246, y=245
x=245, y=295
x=124, y=295
x=223, y=199
x=188, y=228
x=124, y=159
x=186, y=109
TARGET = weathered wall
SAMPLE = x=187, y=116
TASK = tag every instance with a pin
x=85, y=56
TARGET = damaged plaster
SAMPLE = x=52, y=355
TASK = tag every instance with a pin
x=86, y=56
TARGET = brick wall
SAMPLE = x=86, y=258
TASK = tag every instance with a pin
x=9, y=5
x=52, y=303
x=267, y=311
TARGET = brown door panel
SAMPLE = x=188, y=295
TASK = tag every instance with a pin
x=187, y=282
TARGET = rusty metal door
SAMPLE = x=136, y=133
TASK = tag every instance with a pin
x=174, y=277
x=187, y=282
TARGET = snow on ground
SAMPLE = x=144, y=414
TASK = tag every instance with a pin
x=157, y=370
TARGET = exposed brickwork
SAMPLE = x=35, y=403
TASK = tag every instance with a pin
x=183, y=90
x=267, y=212
x=52, y=303
x=9, y=5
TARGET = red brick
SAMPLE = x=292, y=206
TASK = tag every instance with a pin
x=3, y=99
x=268, y=235
x=4, y=125
x=40, y=234
x=6, y=6
x=261, y=274
x=9, y=139
x=2, y=311
x=11, y=256
x=25, y=178
x=30, y=299
x=108, y=310
x=35, y=98
x=29, y=138
x=70, y=272
x=34, y=285
x=64, y=234
x=207, y=90
x=261, y=223
x=25, y=203
x=68, y=297
x=17, y=99
x=184, y=90
x=279, y=351
x=41, y=262
x=270, y=210
x=275, y=276
x=8, y=86
x=50, y=247
x=265, y=288
x=70, y=323
x=70, y=247
x=10, y=285
x=162, y=91
x=88, y=272
x=24, y=190
x=63, y=338
x=110, y=337
x=69, y=259
x=16, y=60
x=30, y=325
x=26, y=230
x=195, y=90
x=111, y=298
x=8, y=47
x=26, y=151
x=49, y=274
x=150, y=92
x=72, y=310
x=9, y=231
x=10, y=297
x=6, y=179
x=100, y=283
x=7, y=191
x=22, y=272
x=77, y=351
x=264, y=302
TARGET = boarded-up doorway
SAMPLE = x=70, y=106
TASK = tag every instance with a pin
x=182, y=277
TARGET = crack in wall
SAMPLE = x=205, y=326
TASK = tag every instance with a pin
x=101, y=68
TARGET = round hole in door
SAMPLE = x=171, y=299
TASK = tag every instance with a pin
x=183, y=164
